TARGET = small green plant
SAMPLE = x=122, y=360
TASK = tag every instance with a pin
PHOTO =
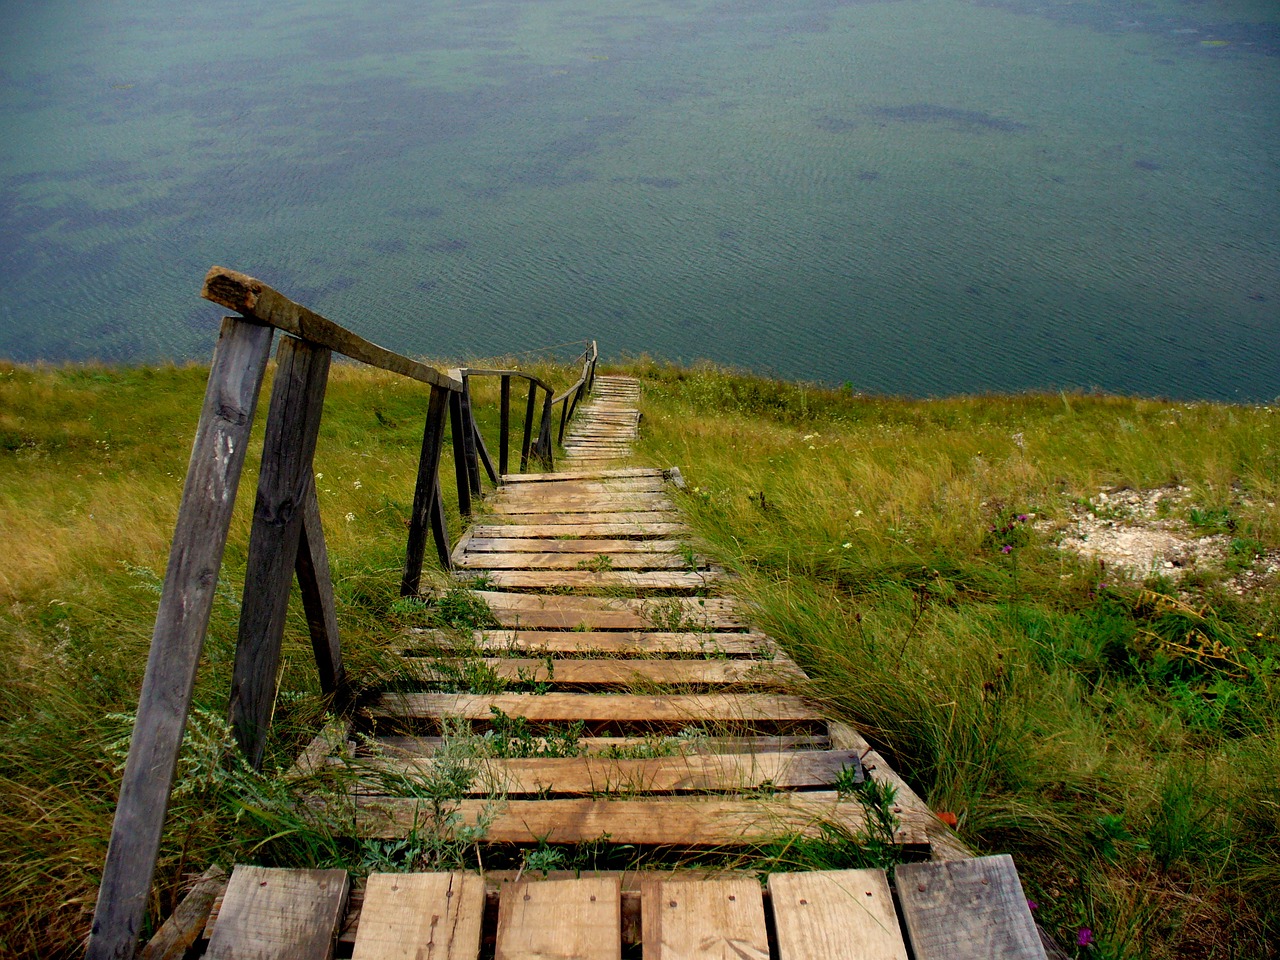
x=600, y=563
x=462, y=609
x=1212, y=519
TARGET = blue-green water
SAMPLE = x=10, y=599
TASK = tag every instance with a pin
x=924, y=196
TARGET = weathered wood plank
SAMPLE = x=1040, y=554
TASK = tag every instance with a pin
x=184, y=926
x=562, y=612
x=334, y=733
x=598, y=579
x=610, y=503
x=581, y=475
x=703, y=920
x=966, y=910
x=671, y=821
x=316, y=588
x=273, y=914
x=593, y=517
x=552, y=707
x=421, y=916
x=623, y=673
x=943, y=840
x=208, y=497
x=406, y=747
x=628, y=643
x=293, y=423
x=544, y=545
x=596, y=775
x=255, y=299
x=835, y=915
x=561, y=920
x=579, y=529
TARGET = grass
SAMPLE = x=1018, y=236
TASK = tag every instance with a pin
x=1120, y=738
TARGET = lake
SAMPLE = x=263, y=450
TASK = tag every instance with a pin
x=920, y=197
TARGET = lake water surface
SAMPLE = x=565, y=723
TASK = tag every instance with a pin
x=923, y=196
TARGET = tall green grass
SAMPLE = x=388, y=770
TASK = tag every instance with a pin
x=92, y=461
x=1139, y=788
x=1050, y=703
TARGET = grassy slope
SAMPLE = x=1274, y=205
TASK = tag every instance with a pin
x=1008, y=686
x=1043, y=700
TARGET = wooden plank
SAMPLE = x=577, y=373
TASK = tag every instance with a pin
x=593, y=579
x=184, y=926
x=578, y=529
x=580, y=546
x=610, y=503
x=713, y=645
x=195, y=556
x=293, y=423
x=553, y=707
x=581, y=475
x=255, y=299
x=316, y=588
x=560, y=920
x=274, y=914
x=416, y=916
x=621, y=673
x=835, y=915
x=594, y=516
x=967, y=909
x=313, y=757
x=609, y=613
x=671, y=821
x=703, y=920
x=654, y=484
x=596, y=775
x=943, y=840
x=675, y=745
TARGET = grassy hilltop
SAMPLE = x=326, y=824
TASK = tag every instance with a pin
x=1118, y=731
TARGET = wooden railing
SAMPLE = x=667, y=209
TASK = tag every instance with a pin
x=286, y=539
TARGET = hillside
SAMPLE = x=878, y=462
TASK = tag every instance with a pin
x=930, y=562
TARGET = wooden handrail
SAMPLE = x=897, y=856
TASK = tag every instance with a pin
x=286, y=540
x=254, y=299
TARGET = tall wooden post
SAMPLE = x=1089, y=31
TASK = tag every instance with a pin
x=316, y=586
x=527, y=441
x=425, y=494
x=504, y=423
x=293, y=423
x=182, y=620
x=460, y=471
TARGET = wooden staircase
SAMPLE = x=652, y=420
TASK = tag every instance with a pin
x=650, y=715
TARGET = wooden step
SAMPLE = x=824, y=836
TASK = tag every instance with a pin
x=596, y=775
x=620, y=643
x=686, y=581
x=279, y=914
x=663, y=709
x=578, y=528
x=685, y=919
x=675, y=745
x=592, y=517
x=561, y=612
x=546, y=545
x=407, y=915
x=514, y=478
x=655, y=821
x=621, y=673
x=593, y=560
x=611, y=503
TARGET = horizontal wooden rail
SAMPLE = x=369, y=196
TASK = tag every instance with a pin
x=254, y=299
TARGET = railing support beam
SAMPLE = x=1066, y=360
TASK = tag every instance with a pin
x=426, y=497
x=293, y=423
x=182, y=620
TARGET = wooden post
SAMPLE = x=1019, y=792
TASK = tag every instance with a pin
x=316, y=586
x=544, y=433
x=182, y=619
x=469, y=439
x=504, y=424
x=440, y=529
x=482, y=451
x=425, y=494
x=564, y=417
x=527, y=441
x=460, y=471
x=297, y=400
